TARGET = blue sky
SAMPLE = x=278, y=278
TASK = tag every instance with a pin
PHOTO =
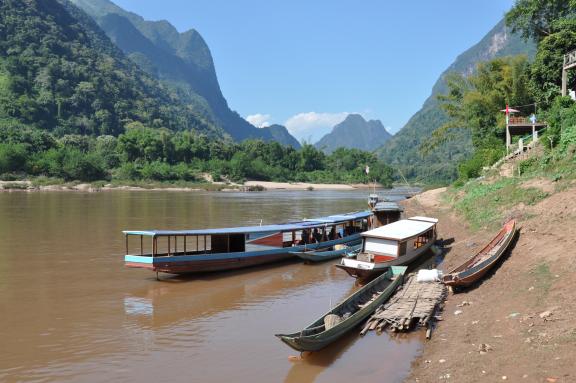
x=306, y=64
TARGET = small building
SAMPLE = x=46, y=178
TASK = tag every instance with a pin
x=522, y=126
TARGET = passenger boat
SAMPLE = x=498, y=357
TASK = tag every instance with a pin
x=396, y=244
x=346, y=315
x=203, y=250
x=477, y=266
x=325, y=255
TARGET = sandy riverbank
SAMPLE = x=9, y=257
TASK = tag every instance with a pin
x=215, y=186
x=518, y=324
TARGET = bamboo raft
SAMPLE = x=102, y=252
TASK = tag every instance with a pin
x=414, y=304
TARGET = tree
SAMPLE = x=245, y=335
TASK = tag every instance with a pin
x=535, y=18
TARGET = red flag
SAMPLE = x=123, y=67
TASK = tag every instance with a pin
x=507, y=110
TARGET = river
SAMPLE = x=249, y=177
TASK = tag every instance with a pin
x=71, y=312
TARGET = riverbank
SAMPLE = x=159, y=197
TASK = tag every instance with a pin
x=248, y=186
x=517, y=325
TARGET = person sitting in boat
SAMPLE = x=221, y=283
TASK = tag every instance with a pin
x=316, y=236
x=305, y=237
x=332, y=234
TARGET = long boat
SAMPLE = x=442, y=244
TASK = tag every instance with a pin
x=205, y=250
x=477, y=266
x=347, y=314
x=397, y=244
x=325, y=255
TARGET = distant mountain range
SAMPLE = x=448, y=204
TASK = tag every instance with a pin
x=354, y=132
x=402, y=151
x=180, y=60
x=280, y=133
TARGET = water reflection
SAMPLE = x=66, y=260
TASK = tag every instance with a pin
x=72, y=312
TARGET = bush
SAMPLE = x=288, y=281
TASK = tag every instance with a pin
x=82, y=166
x=12, y=157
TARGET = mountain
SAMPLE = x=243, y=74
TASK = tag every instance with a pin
x=180, y=60
x=355, y=132
x=59, y=72
x=280, y=134
x=402, y=151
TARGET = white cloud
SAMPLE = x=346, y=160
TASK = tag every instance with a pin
x=313, y=126
x=259, y=120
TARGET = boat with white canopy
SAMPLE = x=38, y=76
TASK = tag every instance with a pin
x=396, y=244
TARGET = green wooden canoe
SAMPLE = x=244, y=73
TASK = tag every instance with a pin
x=321, y=256
x=346, y=315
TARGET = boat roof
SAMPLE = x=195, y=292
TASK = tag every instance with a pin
x=387, y=206
x=290, y=226
x=402, y=229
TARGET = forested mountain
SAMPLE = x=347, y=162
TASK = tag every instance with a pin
x=355, y=132
x=181, y=60
x=280, y=134
x=60, y=72
x=403, y=150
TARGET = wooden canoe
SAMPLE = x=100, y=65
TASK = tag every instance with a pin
x=477, y=266
x=347, y=314
x=321, y=256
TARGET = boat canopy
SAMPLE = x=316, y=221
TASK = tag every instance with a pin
x=388, y=206
x=402, y=229
x=291, y=226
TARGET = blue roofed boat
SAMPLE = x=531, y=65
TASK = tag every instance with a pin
x=205, y=250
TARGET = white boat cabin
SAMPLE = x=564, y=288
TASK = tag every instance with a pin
x=398, y=239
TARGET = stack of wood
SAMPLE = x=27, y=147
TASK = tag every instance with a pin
x=415, y=304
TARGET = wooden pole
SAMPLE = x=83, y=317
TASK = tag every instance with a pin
x=564, y=81
x=141, y=245
x=175, y=244
x=184, y=245
x=168, y=245
x=126, y=236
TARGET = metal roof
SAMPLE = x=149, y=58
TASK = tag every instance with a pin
x=299, y=225
x=402, y=229
x=387, y=206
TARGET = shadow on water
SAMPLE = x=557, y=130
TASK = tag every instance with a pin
x=216, y=275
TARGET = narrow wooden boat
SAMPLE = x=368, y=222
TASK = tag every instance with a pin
x=348, y=314
x=325, y=255
x=206, y=250
x=477, y=266
x=397, y=244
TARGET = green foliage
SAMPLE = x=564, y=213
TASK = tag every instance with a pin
x=161, y=155
x=474, y=102
x=546, y=78
x=12, y=158
x=484, y=204
x=472, y=167
x=535, y=18
x=58, y=72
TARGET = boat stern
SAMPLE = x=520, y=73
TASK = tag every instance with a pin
x=138, y=261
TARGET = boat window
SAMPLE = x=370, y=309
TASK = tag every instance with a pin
x=423, y=239
x=401, y=248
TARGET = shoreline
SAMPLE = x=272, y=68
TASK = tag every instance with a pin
x=248, y=186
x=515, y=324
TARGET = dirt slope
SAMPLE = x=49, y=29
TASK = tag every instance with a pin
x=519, y=324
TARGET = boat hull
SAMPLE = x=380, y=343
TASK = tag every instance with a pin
x=367, y=270
x=316, y=342
x=314, y=256
x=185, y=264
x=464, y=276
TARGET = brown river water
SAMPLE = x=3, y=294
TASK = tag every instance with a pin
x=71, y=312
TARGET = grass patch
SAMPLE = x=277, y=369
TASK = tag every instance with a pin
x=543, y=279
x=15, y=186
x=484, y=204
